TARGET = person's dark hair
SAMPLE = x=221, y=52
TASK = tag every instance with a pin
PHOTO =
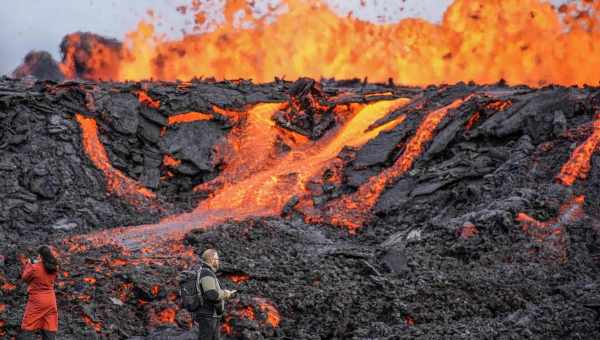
x=48, y=260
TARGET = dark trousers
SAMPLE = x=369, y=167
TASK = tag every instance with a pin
x=46, y=335
x=208, y=328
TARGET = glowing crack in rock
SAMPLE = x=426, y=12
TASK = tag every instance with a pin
x=554, y=230
x=579, y=165
x=117, y=183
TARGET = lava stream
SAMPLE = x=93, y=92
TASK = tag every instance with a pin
x=352, y=211
x=256, y=182
x=579, y=165
x=116, y=182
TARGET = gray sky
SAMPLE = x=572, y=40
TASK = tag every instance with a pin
x=41, y=24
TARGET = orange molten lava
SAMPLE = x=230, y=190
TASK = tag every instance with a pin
x=188, y=117
x=145, y=99
x=472, y=120
x=167, y=316
x=97, y=326
x=554, y=229
x=2, y=308
x=578, y=165
x=118, y=262
x=124, y=291
x=273, y=317
x=84, y=297
x=8, y=287
x=89, y=280
x=259, y=180
x=247, y=313
x=521, y=41
x=238, y=278
x=353, y=210
x=116, y=181
x=569, y=212
x=263, y=184
x=155, y=290
x=226, y=328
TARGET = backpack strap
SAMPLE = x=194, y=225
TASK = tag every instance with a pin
x=198, y=285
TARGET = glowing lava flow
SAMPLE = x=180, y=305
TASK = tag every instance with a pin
x=257, y=181
x=521, y=41
x=554, y=229
x=352, y=211
x=188, y=117
x=117, y=183
x=267, y=191
x=579, y=165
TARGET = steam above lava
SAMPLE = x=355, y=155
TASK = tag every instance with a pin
x=520, y=41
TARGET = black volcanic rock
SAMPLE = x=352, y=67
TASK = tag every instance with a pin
x=443, y=254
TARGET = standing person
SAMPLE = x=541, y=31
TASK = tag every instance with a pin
x=41, y=313
x=209, y=314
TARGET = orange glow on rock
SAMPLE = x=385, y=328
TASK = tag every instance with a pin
x=8, y=287
x=117, y=182
x=167, y=316
x=247, y=313
x=145, y=99
x=472, y=120
x=554, y=229
x=188, y=117
x=118, y=262
x=578, y=166
x=273, y=317
x=238, y=278
x=96, y=326
x=84, y=298
x=155, y=290
x=226, y=328
x=124, y=291
x=2, y=308
x=89, y=280
x=499, y=105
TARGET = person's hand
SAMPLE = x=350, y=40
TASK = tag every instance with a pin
x=229, y=293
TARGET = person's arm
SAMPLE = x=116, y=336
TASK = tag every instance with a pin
x=212, y=292
x=28, y=272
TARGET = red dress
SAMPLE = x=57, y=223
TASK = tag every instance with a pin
x=41, y=312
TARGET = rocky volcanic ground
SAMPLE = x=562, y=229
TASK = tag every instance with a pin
x=486, y=236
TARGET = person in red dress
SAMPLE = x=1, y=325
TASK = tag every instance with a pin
x=41, y=313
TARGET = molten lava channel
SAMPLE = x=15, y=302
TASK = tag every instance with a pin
x=579, y=163
x=352, y=211
x=257, y=180
x=116, y=182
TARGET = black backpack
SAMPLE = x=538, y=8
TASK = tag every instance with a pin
x=190, y=290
